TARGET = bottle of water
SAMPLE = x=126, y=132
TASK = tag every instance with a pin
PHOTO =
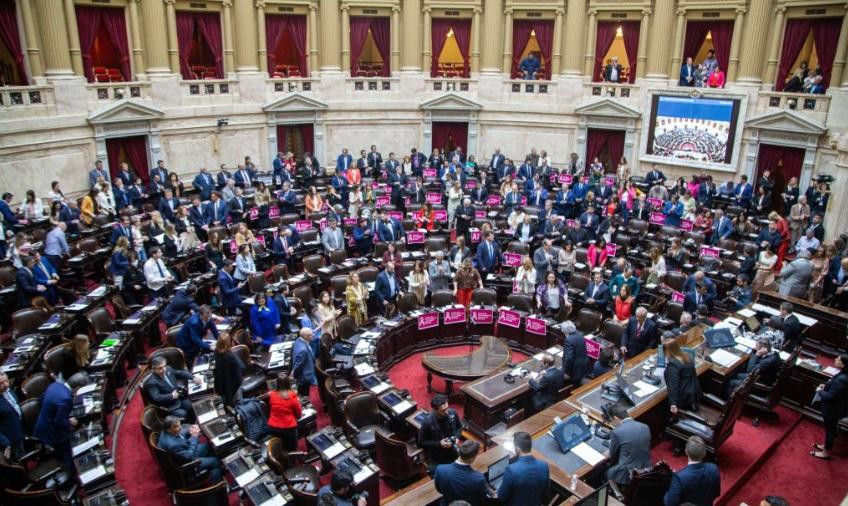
x=573, y=482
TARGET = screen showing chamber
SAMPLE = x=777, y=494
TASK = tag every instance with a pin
x=690, y=129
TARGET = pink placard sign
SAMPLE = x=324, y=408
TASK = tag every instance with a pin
x=322, y=224
x=434, y=198
x=233, y=247
x=260, y=239
x=686, y=225
x=655, y=203
x=374, y=185
x=471, y=184
x=565, y=178
x=585, y=179
x=707, y=251
x=428, y=321
x=610, y=180
x=303, y=225
x=274, y=211
x=253, y=213
x=414, y=237
x=523, y=200
x=552, y=178
x=430, y=172
x=348, y=221
x=440, y=215
x=611, y=249
x=383, y=200
x=475, y=235
x=535, y=326
x=493, y=200
x=677, y=296
x=657, y=218
x=482, y=316
x=454, y=315
x=512, y=259
x=570, y=223
x=480, y=215
x=593, y=349
x=395, y=215
x=509, y=318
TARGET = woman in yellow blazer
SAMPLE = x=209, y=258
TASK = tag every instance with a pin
x=88, y=207
x=356, y=295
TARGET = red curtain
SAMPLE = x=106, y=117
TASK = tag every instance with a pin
x=545, y=37
x=11, y=38
x=597, y=139
x=448, y=135
x=277, y=29
x=606, y=36
x=90, y=20
x=794, y=37
x=381, y=31
x=296, y=138
x=209, y=24
x=359, y=27
x=116, y=25
x=696, y=33
x=630, y=33
x=826, y=35
x=439, y=32
x=770, y=156
x=520, y=37
x=135, y=154
x=521, y=31
x=722, y=32
x=462, y=33
x=185, y=41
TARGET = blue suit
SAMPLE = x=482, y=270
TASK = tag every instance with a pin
x=390, y=230
x=382, y=289
x=216, y=211
x=263, y=323
x=222, y=178
x=8, y=215
x=340, y=162
x=303, y=364
x=178, y=307
x=698, y=484
x=744, y=194
x=94, y=174
x=11, y=427
x=228, y=287
x=186, y=448
x=287, y=202
x=53, y=426
x=43, y=273
x=120, y=231
x=119, y=265
x=488, y=258
x=197, y=216
x=122, y=198
x=525, y=482
x=190, y=338
x=673, y=213
x=204, y=184
x=241, y=182
x=26, y=285
x=690, y=284
x=126, y=177
x=721, y=229
x=459, y=482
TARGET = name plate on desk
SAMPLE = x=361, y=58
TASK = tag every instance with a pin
x=480, y=215
x=677, y=296
x=593, y=348
x=440, y=215
x=415, y=237
x=383, y=200
x=512, y=259
x=349, y=221
x=493, y=200
x=428, y=321
x=434, y=198
x=303, y=225
x=454, y=315
x=509, y=318
x=395, y=215
x=611, y=249
x=475, y=235
x=686, y=225
x=273, y=211
x=565, y=178
x=253, y=213
x=536, y=326
x=657, y=218
x=430, y=173
x=707, y=251
x=482, y=316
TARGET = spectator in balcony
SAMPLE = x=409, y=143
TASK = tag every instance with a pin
x=687, y=73
x=810, y=78
x=529, y=66
x=817, y=87
x=710, y=63
x=796, y=83
x=716, y=79
x=613, y=71
x=700, y=78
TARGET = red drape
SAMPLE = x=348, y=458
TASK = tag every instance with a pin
x=606, y=36
x=794, y=37
x=135, y=149
x=185, y=41
x=89, y=22
x=597, y=139
x=630, y=34
x=462, y=33
x=381, y=31
x=521, y=31
x=770, y=156
x=11, y=38
x=277, y=28
x=826, y=35
x=439, y=29
x=696, y=32
x=209, y=24
x=296, y=138
x=448, y=135
x=722, y=32
x=358, y=35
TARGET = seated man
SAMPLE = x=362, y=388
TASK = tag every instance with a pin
x=457, y=481
x=163, y=390
x=439, y=432
x=183, y=446
x=550, y=382
x=529, y=66
x=764, y=360
x=340, y=492
x=630, y=447
x=190, y=338
x=698, y=483
x=740, y=296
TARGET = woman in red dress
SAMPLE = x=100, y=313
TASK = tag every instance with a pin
x=785, y=235
x=425, y=217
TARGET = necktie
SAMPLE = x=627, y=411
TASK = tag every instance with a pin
x=168, y=380
x=10, y=398
x=159, y=266
x=489, y=247
x=594, y=291
x=215, y=211
x=391, y=231
x=285, y=245
x=638, y=329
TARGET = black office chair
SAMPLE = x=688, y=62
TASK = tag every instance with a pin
x=362, y=419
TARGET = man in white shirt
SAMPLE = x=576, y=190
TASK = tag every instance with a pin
x=157, y=274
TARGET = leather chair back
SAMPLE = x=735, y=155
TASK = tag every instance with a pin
x=27, y=320
x=777, y=390
x=732, y=411
x=434, y=244
x=54, y=358
x=673, y=310
x=730, y=267
x=728, y=244
x=338, y=256
x=122, y=310
x=173, y=356
x=280, y=272
x=35, y=385
x=334, y=409
x=588, y=321
x=278, y=458
x=304, y=295
x=368, y=274
x=484, y=297
x=151, y=422
x=407, y=302
x=622, y=240
x=406, y=268
x=648, y=486
x=174, y=477
x=697, y=237
x=88, y=245
x=171, y=334
x=581, y=257
x=100, y=321
x=520, y=301
x=7, y=276
x=345, y=326
x=361, y=409
x=256, y=282
x=312, y=263
x=394, y=460
x=288, y=219
x=518, y=247
x=675, y=280
x=578, y=281
x=30, y=497
x=612, y=331
x=637, y=228
x=212, y=495
x=309, y=236
x=339, y=285
x=441, y=298
x=29, y=414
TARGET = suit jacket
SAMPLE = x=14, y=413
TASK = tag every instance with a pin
x=686, y=70
x=127, y=177
x=525, y=482
x=575, y=361
x=654, y=177
x=698, y=484
x=120, y=231
x=497, y=161
x=431, y=435
x=178, y=307
x=795, y=277
x=792, y=332
x=165, y=209
x=722, y=229
x=161, y=391
x=768, y=366
x=38, y=271
x=222, y=178
x=332, y=239
x=26, y=285
x=684, y=390
x=122, y=198
x=375, y=160
x=244, y=179
x=204, y=184
x=390, y=230
x=190, y=337
x=630, y=448
x=744, y=193
x=485, y=259
x=216, y=211
x=459, y=482
x=303, y=363
x=182, y=447
x=608, y=74
x=601, y=298
x=341, y=159
x=637, y=343
x=197, y=216
x=94, y=174
x=53, y=426
x=834, y=397
x=545, y=390
x=382, y=290
x=11, y=426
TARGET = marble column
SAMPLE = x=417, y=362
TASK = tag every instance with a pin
x=245, y=24
x=395, y=39
x=556, y=57
x=330, y=38
x=838, y=74
x=642, y=53
x=754, y=42
x=36, y=68
x=735, y=42
x=227, y=29
x=261, y=41
x=591, y=41
x=135, y=29
x=155, y=37
x=507, y=42
x=313, y=37
x=575, y=37
x=173, y=42
x=345, y=38
x=489, y=52
x=677, y=55
x=659, y=49
x=411, y=36
x=73, y=37
x=475, y=40
x=427, y=53
x=53, y=29
x=774, y=45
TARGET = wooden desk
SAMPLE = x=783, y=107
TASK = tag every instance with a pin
x=492, y=355
x=828, y=334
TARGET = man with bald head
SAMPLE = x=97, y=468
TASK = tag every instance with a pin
x=303, y=362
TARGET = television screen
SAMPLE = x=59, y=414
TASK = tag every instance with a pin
x=687, y=129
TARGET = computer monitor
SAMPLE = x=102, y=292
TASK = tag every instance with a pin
x=596, y=498
x=719, y=338
x=571, y=432
x=392, y=399
x=626, y=391
x=322, y=441
x=495, y=472
x=238, y=466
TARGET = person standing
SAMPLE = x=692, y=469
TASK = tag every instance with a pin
x=457, y=481
x=55, y=423
x=466, y=280
x=191, y=338
x=525, y=481
x=699, y=483
x=229, y=371
x=681, y=378
x=630, y=447
x=575, y=361
x=439, y=430
x=285, y=410
x=834, y=406
x=303, y=362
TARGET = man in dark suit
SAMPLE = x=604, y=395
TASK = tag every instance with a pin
x=122, y=229
x=183, y=446
x=216, y=210
x=191, y=336
x=497, y=160
x=792, y=337
x=155, y=189
x=125, y=174
x=439, y=431
x=159, y=170
x=387, y=287
x=229, y=288
x=457, y=481
x=163, y=388
x=223, y=176
x=596, y=295
x=418, y=161
x=630, y=447
x=288, y=199
x=817, y=226
x=488, y=255
x=11, y=425
x=655, y=176
x=344, y=161
x=575, y=361
x=696, y=297
x=698, y=483
x=589, y=222
x=26, y=285
x=389, y=229
x=340, y=492
x=639, y=334
x=204, y=183
x=179, y=305
x=54, y=424
x=549, y=384
x=699, y=278
x=687, y=73
x=765, y=361
x=374, y=159
x=303, y=362
x=612, y=72
x=98, y=172
x=283, y=246
x=743, y=192
x=722, y=227
x=168, y=205
x=525, y=481
x=237, y=207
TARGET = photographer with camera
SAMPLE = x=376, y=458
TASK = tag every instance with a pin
x=439, y=432
x=340, y=492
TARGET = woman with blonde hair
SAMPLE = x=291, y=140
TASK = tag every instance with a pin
x=657, y=270
x=454, y=199
x=525, y=277
x=106, y=200
x=418, y=280
x=188, y=236
x=681, y=378
x=356, y=296
x=244, y=236
x=119, y=263
x=76, y=356
x=355, y=200
x=88, y=207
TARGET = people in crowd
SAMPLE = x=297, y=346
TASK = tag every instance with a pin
x=681, y=378
x=284, y=412
x=547, y=384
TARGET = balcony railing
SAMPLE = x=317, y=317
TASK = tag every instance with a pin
x=794, y=101
x=611, y=90
x=206, y=87
x=292, y=85
x=118, y=91
x=449, y=84
x=22, y=96
x=523, y=86
x=373, y=83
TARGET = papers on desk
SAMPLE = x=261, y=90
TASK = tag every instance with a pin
x=490, y=277
x=644, y=389
x=363, y=347
x=194, y=387
x=306, y=413
x=85, y=446
x=765, y=309
x=150, y=307
x=98, y=292
x=281, y=346
x=805, y=320
x=362, y=475
x=86, y=389
x=402, y=406
x=723, y=358
x=830, y=370
x=370, y=334
x=783, y=355
x=245, y=478
x=207, y=416
x=102, y=354
x=741, y=347
x=132, y=321
x=364, y=369
x=200, y=368
x=334, y=451
x=746, y=313
x=747, y=342
x=555, y=351
x=651, y=286
x=733, y=321
x=222, y=438
x=588, y=454
x=76, y=306
x=92, y=474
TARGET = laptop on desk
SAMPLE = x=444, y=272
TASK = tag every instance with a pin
x=596, y=498
x=719, y=338
x=571, y=432
x=495, y=472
